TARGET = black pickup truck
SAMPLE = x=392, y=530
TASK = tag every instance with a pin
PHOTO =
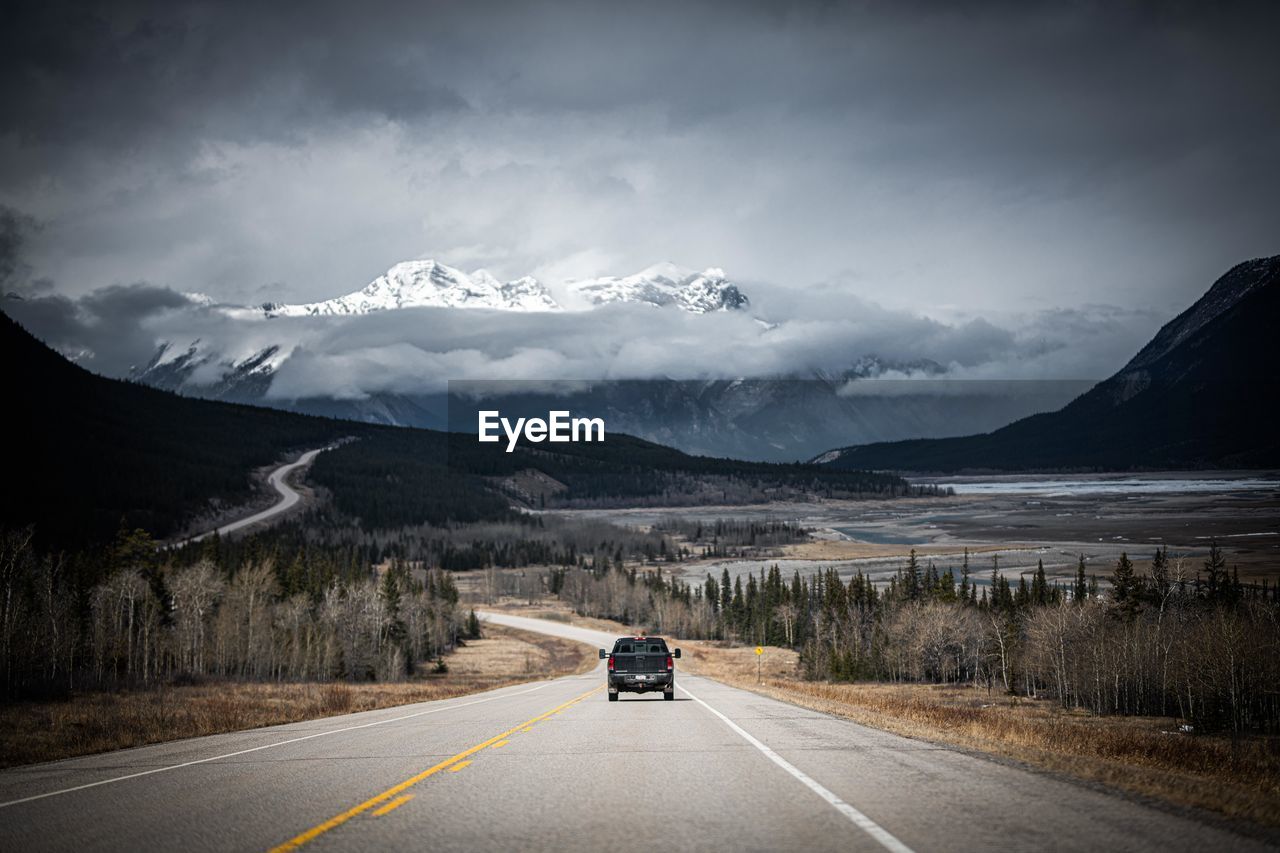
x=641, y=664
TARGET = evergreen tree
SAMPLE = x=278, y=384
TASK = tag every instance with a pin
x=396, y=630
x=1080, y=591
x=1039, y=586
x=1215, y=567
x=911, y=578
x=1124, y=589
x=946, y=587
x=738, y=608
x=932, y=583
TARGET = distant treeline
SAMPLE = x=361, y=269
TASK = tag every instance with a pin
x=323, y=545
x=396, y=478
x=732, y=537
x=631, y=470
x=1206, y=649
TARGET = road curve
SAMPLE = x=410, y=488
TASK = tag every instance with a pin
x=552, y=766
x=279, y=480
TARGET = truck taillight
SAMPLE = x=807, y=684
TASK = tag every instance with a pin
x=669, y=662
x=611, y=663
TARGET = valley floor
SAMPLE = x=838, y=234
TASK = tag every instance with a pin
x=1057, y=527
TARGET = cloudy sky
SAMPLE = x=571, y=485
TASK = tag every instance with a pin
x=1011, y=164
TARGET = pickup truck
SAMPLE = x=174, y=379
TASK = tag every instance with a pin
x=639, y=665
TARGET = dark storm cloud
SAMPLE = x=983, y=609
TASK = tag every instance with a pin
x=15, y=229
x=106, y=331
x=1019, y=156
x=122, y=74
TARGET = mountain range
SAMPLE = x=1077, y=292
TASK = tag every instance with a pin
x=429, y=283
x=1201, y=393
x=197, y=367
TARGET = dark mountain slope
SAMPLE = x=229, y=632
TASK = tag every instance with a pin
x=1202, y=393
x=87, y=453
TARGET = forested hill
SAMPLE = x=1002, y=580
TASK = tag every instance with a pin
x=87, y=453
x=397, y=477
x=90, y=454
x=1200, y=394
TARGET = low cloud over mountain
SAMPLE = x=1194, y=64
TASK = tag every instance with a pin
x=118, y=331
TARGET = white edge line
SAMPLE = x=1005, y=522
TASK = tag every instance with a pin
x=875, y=830
x=264, y=746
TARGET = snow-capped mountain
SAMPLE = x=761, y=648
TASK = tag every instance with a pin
x=244, y=371
x=665, y=284
x=429, y=283
x=415, y=284
x=199, y=369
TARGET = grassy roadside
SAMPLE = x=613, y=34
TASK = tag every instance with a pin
x=94, y=722
x=1140, y=755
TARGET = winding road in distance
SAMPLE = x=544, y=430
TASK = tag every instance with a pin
x=279, y=480
x=552, y=766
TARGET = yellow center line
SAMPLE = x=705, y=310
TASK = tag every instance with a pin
x=500, y=744
x=339, y=819
x=394, y=804
x=461, y=764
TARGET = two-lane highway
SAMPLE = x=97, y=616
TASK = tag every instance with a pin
x=553, y=766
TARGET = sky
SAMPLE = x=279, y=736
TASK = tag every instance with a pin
x=1081, y=171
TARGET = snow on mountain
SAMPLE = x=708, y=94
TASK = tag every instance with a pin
x=245, y=372
x=664, y=284
x=429, y=283
x=215, y=374
x=414, y=284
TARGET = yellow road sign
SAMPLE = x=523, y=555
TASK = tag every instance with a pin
x=759, y=650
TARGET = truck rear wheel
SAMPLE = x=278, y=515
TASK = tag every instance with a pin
x=613, y=697
x=669, y=695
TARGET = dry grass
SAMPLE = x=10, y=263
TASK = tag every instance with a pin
x=1143, y=755
x=101, y=721
x=508, y=654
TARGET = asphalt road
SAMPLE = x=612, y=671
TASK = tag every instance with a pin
x=279, y=480
x=553, y=766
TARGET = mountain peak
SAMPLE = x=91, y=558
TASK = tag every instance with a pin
x=1233, y=286
x=665, y=284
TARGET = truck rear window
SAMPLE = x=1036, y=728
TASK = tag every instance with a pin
x=637, y=647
